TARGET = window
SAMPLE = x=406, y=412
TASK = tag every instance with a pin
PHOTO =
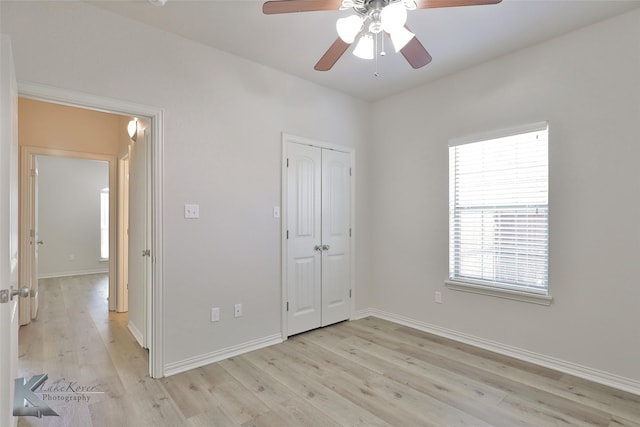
x=104, y=224
x=499, y=212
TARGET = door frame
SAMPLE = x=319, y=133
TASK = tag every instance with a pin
x=26, y=196
x=286, y=139
x=155, y=115
x=122, y=295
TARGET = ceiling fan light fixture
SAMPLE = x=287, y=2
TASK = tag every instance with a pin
x=364, y=48
x=400, y=37
x=349, y=27
x=410, y=4
x=347, y=4
x=393, y=16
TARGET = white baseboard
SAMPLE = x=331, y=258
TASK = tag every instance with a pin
x=136, y=333
x=216, y=356
x=595, y=375
x=72, y=273
x=361, y=314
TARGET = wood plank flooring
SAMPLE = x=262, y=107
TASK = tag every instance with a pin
x=362, y=373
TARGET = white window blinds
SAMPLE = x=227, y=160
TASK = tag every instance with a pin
x=498, y=210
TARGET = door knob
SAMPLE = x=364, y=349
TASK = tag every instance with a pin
x=146, y=252
x=325, y=247
x=317, y=248
x=40, y=242
x=21, y=292
x=7, y=295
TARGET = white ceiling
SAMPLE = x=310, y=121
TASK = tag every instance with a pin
x=456, y=38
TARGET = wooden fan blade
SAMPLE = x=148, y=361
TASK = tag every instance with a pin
x=332, y=55
x=415, y=54
x=288, y=6
x=426, y=4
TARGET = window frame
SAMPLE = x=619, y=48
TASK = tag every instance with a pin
x=497, y=289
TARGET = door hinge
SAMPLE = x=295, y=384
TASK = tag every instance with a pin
x=349, y=232
x=287, y=162
x=287, y=305
x=287, y=234
x=349, y=171
x=349, y=293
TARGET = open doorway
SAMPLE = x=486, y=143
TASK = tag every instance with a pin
x=72, y=227
x=40, y=140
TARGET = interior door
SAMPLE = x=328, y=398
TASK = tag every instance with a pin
x=319, y=233
x=304, y=269
x=139, y=247
x=28, y=307
x=8, y=232
x=336, y=231
x=35, y=240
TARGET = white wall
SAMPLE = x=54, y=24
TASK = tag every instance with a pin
x=587, y=85
x=69, y=215
x=223, y=122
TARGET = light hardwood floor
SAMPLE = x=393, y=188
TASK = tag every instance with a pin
x=362, y=373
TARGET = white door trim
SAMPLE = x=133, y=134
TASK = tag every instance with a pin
x=156, y=117
x=286, y=139
x=27, y=160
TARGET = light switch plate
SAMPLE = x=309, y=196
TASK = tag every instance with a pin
x=276, y=211
x=192, y=211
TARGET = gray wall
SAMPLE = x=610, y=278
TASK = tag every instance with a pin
x=224, y=117
x=592, y=104
x=69, y=215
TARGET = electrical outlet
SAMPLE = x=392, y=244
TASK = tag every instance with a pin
x=438, y=297
x=215, y=314
x=237, y=310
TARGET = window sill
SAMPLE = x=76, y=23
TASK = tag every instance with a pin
x=499, y=293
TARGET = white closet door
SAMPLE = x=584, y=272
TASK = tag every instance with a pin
x=304, y=297
x=336, y=223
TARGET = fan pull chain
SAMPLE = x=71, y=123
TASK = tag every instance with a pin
x=375, y=53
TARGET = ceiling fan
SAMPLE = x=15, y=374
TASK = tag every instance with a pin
x=371, y=18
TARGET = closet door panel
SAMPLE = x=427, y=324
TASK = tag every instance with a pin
x=304, y=269
x=336, y=226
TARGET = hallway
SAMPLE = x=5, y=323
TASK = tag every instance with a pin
x=76, y=340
